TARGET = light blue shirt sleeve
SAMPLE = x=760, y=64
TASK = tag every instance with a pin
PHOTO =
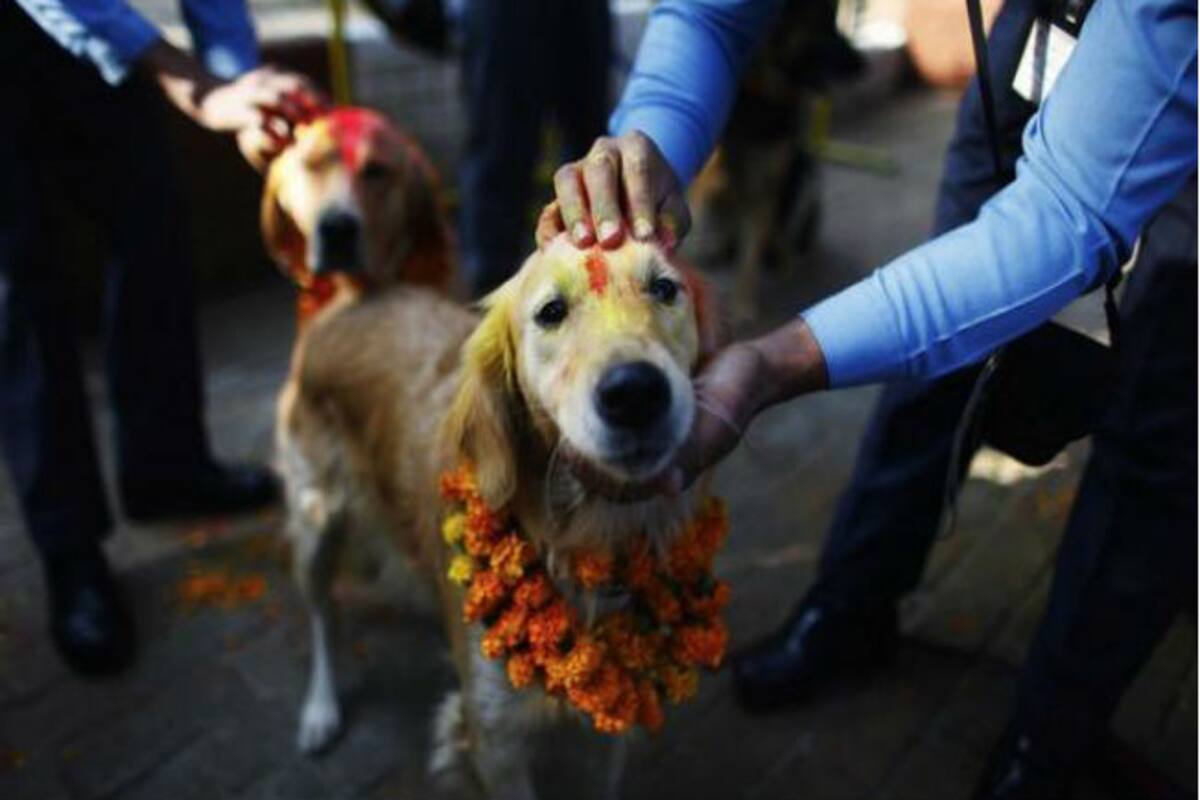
x=685, y=75
x=1113, y=143
x=112, y=35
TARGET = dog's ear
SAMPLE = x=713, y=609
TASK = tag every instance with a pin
x=281, y=237
x=479, y=426
x=710, y=327
x=427, y=237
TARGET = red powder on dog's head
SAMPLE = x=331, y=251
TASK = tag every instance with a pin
x=352, y=127
x=597, y=270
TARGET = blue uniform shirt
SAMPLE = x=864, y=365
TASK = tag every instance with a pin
x=1113, y=142
x=112, y=35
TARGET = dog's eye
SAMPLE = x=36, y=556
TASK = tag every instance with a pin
x=374, y=171
x=664, y=290
x=552, y=313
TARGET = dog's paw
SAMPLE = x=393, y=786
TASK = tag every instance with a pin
x=319, y=725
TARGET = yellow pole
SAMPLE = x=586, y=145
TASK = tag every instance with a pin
x=339, y=62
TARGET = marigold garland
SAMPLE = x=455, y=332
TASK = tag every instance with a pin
x=618, y=670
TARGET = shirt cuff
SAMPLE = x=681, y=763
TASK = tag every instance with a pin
x=129, y=34
x=857, y=333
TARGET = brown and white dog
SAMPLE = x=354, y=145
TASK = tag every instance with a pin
x=568, y=396
x=353, y=204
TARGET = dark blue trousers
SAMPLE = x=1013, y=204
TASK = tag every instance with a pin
x=525, y=63
x=66, y=138
x=1128, y=558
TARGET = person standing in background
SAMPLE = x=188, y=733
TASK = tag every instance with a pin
x=524, y=63
x=82, y=82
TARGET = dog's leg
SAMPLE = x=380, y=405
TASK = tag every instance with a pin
x=318, y=535
x=503, y=766
x=498, y=725
x=618, y=752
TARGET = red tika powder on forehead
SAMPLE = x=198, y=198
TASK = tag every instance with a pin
x=597, y=270
x=353, y=126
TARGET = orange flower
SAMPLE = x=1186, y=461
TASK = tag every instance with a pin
x=511, y=625
x=550, y=625
x=663, y=603
x=491, y=644
x=640, y=651
x=477, y=542
x=521, y=670
x=592, y=568
x=703, y=645
x=578, y=666
x=622, y=714
x=650, y=713
x=687, y=558
x=633, y=649
x=510, y=556
x=599, y=694
x=534, y=591
x=484, y=595
x=680, y=683
x=609, y=723
x=458, y=484
x=639, y=568
x=708, y=605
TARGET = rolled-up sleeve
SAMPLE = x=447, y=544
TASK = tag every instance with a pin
x=685, y=75
x=108, y=33
x=1113, y=143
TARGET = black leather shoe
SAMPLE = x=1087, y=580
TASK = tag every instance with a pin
x=208, y=490
x=88, y=622
x=819, y=642
x=1020, y=768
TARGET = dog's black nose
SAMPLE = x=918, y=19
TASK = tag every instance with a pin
x=337, y=241
x=633, y=395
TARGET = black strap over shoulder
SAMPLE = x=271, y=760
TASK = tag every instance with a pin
x=1069, y=14
x=983, y=76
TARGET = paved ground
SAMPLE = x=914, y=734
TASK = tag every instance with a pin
x=209, y=711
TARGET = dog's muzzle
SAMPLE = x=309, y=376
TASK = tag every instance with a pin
x=633, y=397
x=338, y=243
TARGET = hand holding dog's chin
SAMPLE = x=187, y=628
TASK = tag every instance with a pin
x=740, y=382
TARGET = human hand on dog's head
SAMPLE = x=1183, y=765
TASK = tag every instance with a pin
x=742, y=380
x=264, y=107
x=623, y=183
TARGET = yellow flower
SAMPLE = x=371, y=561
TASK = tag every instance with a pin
x=462, y=569
x=453, y=527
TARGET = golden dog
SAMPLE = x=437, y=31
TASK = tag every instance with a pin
x=568, y=397
x=353, y=204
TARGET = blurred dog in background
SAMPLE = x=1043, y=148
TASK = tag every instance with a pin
x=353, y=204
x=756, y=202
